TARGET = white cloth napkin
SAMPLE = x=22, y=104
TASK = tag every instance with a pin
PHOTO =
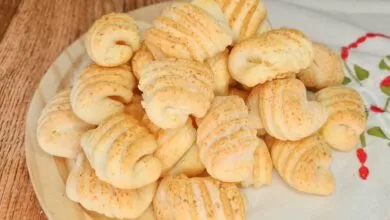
x=366, y=14
x=338, y=24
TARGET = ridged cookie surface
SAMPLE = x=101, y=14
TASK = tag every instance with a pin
x=174, y=89
x=246, y=18
x=284, y=110
x=226, y=140
x=59, y=130
x=187, y=32
x=198, y=198
x=275, y=54
x=121, y=151
x=347, y=118
x=325, y=70
x=305, y=164
x=99, y=92
x=112, y=39
x=84, y=187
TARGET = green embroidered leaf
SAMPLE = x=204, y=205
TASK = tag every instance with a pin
x=388, y=57
x=386, y=90
x=360, y=72
x=377, y=132
x=383, y=65
x=346, y=80
x=363, y=140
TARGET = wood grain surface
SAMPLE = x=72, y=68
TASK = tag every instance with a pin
x=32, y=35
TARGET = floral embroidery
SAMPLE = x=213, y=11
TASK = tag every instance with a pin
x=358, y=74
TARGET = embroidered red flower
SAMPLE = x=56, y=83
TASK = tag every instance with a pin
x=361, y=39
x=385, y=81
x=353, y=45
x=344, y=53
x=362, y=155
x=364, y=172
x=376, y=109
x=385, y=87
x=362, y=74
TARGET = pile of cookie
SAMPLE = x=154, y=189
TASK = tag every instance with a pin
x=173, y=125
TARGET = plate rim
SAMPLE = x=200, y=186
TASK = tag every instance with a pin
x=29, y=148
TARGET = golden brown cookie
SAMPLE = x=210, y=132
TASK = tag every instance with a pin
x=112, y=39
x=305, y=164
x=174, y=89
x=198, y=198
x=284, y=110
x=325, y=70
x=226, y=140
x=246, y=18
x=59, y=130
x=187, y=32
x=121, y=151
x=278, y=53
x=99, y=92
x=347, y=118
x=84, y=187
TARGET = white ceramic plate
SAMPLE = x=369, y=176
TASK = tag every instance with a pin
x=353, y=199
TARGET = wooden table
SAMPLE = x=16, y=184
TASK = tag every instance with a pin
x=32, y=35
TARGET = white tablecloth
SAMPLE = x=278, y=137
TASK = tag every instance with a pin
x=373, y=16
x=339, y=24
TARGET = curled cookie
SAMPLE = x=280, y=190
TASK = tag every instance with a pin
x=305, y=164
x=275, y=54
x=121, y=151
x=325, y=70
x=284, y=110
x=59, y=130
x=177, y=149
x=262, y=168
x=219, y=67
x=347, y=118
x=198, y=198
x=187, y=32
x=245, y=18
x=84, y=187
x=141, y=59
x=174, y=89
x=99, y=92
x=112, y=39
x=226, y=140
